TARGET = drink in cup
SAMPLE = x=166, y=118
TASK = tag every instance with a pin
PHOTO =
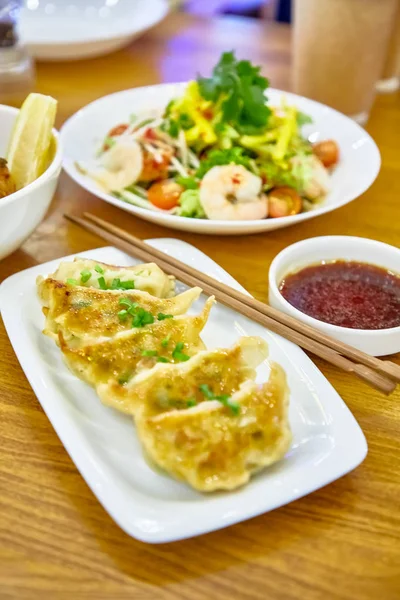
x=390, y=80
x=339, y=48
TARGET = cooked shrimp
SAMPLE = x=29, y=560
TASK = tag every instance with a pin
x=232, y=193
x=121, y=166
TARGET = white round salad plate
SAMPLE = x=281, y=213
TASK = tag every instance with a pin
x=68, y=30
x=359, y=164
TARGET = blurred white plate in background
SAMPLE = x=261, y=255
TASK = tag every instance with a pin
x=75, y=29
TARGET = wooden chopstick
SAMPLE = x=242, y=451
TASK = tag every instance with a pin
x=385, y=367
x=233, y=299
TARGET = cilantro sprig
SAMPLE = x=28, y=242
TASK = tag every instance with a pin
x=240, y=88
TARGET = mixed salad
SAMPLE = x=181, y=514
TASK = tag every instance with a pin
x=220, y=151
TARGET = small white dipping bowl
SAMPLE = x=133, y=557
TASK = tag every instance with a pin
x=376, y=342
x=21, y=212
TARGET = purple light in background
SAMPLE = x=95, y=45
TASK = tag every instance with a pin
x=176, y=66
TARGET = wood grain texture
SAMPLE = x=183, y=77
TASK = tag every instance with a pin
x=56, y=541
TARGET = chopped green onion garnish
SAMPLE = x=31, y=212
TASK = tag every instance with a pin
x=127, y=285
x=142, y=317
x=161, y=316
x=205, y=390
x=124, y=378
x=162, y=359
x=102, y=283
x=72, y=281
x=191, y=402
x=117, y=284
x=177, y=353
x=85, y=275
x=132, y=310
x=165, y=342
x=125, y=302
x=223, y=398
x=123, y=314
x=235, y=408
x=147, y=318
x=99, y=269
x=180, y=356
x=149, y=352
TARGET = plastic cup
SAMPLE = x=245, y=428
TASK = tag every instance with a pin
x=339, y=49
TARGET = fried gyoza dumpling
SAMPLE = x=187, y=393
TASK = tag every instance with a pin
x=214, y=446
x=170, y=386
x=80, y=312
x=90, y=273
x=122, y=356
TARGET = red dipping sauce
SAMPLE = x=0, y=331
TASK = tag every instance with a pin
x=346, y=293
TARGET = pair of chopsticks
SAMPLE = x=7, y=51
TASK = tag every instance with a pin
x=380, y=374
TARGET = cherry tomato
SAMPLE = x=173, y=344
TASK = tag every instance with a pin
x=165, y=194
x=283, y=202
x=327, y=152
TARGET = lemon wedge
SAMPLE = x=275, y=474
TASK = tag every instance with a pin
x=31, y=139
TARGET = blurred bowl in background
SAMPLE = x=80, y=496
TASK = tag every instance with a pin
x=21, y=212
x=68, y=30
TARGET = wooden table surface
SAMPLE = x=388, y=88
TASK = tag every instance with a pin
x=56, y=541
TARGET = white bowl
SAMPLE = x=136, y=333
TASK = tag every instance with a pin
x=376, y=342
x=65, y=30
x=359, y=164
x=21, y=212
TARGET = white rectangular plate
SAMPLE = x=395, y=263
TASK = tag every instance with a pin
x=149, y=505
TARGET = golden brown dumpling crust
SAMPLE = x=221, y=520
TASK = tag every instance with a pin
x=212, y=448
x=80, y=312
x=122, y=356
x=168, y=387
